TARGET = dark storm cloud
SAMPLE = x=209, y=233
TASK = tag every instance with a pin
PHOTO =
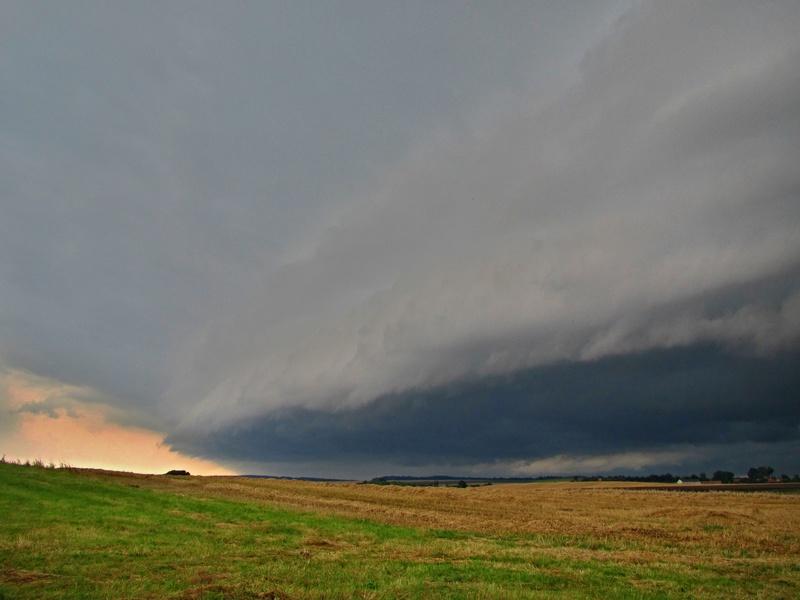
x=698, y=395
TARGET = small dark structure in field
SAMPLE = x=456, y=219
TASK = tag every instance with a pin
x=178, y=472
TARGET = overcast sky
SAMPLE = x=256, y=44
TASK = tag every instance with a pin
x=351, y=238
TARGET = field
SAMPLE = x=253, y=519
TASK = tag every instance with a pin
x=92, y=534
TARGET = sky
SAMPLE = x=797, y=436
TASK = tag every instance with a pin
x=350, y=239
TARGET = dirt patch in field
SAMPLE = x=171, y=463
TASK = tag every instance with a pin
x=232, y=592
x=20, y=576
x=320, y=543
x=204, y=577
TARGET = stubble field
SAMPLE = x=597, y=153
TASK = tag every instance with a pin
x=92, y=534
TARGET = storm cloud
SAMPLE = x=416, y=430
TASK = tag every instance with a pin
x=446, y=235
x=687, y=399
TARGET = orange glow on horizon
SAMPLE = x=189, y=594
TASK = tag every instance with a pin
x=83, y=435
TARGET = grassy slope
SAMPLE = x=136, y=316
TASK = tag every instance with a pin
x=66, y=535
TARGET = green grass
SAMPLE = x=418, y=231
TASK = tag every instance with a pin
x=68, y=535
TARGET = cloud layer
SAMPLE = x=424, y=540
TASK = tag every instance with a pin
x=593, y=250
x=666, y=407
x=601, y=222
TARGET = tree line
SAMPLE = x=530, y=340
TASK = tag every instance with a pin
x=760, y=474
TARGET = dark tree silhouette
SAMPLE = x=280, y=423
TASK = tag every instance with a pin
x=759, y=473
x=723, y=476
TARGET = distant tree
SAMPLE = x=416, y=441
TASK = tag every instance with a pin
x=759, y=473
x=785, y=478
x=703, y=476
x=462, y=484
x=723, y=476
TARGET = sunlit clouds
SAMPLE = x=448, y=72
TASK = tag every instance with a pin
x=57, y=423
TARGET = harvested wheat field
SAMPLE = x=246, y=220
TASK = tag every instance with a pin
x=103, y=534
x=573, y=508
